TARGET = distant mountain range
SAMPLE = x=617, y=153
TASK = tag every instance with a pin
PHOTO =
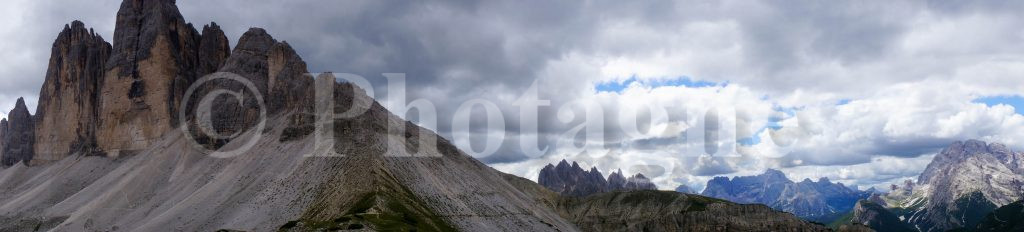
x=962, y=186
x=571, y=180
x=807, y=199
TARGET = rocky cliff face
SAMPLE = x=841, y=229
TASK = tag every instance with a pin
x=572, y=180
x=67, y=110
x=155, y=58
x=807, y=199
x=99, y=98
x=19, y=135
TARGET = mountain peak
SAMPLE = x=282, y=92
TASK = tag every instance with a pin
x=640, y=175
x=20, y=104
x=562, y=164
x=255, y=39
x=76, y=33
x=18, y=135
x=138, y=27
x=959, y=151
x=982, y=175
x=774, y=173
x=212, y=25
x=76, y=67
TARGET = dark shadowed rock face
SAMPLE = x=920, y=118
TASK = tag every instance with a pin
x=141, y=25
x=807, y=199
x=878, y=218
x=276, y=70
x=572, y=180
x=18, y=138
x=279, y=76
x=67, y=110
x=214, y=49
x=3, y=134
x=1007, y=218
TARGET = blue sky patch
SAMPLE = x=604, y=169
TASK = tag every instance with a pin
x=774, y=123
x=617, y=87
x=1016, y=101
x=843, y=102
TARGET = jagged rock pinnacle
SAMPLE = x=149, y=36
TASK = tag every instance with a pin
x=67, y=113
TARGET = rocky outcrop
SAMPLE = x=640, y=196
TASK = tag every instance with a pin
x=572, y=180
x=67, y=111
x=19, y=136
x=819, y=200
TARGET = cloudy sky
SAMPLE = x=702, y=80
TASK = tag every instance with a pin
x=864, y=93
